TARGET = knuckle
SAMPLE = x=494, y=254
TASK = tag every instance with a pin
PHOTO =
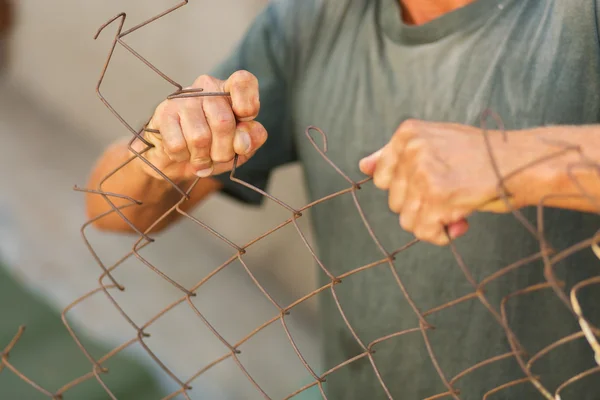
x=437, y=189
x=245, y=77
x=409, y=125
x=414, y=205
x=175, y=147
x=162, y=111
x=426, y=174
x=201, y=140
x=436, y=192
x=162, y=107
x=204, y=80
x=417, y=147
x=421, y=172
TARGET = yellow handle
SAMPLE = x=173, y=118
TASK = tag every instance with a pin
x=497, y=205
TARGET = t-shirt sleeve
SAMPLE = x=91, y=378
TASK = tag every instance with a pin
x=266, y=51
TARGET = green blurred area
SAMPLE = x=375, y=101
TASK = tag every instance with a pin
x=48, y=355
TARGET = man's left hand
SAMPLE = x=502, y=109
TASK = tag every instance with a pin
x=437, y=174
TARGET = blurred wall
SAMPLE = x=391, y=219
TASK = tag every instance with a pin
x=56, y=58
x=58, y=130
x=56, y=61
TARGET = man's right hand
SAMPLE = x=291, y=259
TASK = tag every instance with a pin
x=200, y=136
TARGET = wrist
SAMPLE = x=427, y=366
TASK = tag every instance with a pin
x=140, y=167
x=542, y=164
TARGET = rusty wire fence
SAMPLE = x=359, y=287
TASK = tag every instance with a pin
x=108, y=284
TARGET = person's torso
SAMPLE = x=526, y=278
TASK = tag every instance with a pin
x=533, y=63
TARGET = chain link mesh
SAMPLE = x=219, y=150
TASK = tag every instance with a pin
x=108, y=284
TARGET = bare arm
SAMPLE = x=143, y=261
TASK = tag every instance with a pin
x=574, y=174
x=199, y=137
x=157, y=196
x=437, y=174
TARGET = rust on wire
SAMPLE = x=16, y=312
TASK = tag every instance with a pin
x=548, y=256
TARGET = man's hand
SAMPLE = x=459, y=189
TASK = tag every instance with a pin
x=200, y=136
x=437, y=174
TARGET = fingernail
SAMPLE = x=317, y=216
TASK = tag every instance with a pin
x=242, y=141
x=203, y=173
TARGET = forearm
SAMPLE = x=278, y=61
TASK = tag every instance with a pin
x=157, y=196
x=569, y=177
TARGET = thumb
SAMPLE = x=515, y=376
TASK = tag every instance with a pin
x=249, y=137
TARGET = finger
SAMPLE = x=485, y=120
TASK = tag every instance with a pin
x=242, y=143
x=367, y=165
x=458, y=229
x=432, y=233
x=222, y=125
x=172, y=138
x=406, y=132
x=430, y=225
x=198, y=137
x=150, y=137
x=412, y=202
x=243, y=89
x=385, y=168
x=393, y=152
x=220, y=168
x=258, y=136
x=398, y=187
x=410, y=213
x=249, y=137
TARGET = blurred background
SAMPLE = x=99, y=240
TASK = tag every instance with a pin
x=53, y=128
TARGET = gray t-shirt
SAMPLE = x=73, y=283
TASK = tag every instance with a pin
x=352, y=68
